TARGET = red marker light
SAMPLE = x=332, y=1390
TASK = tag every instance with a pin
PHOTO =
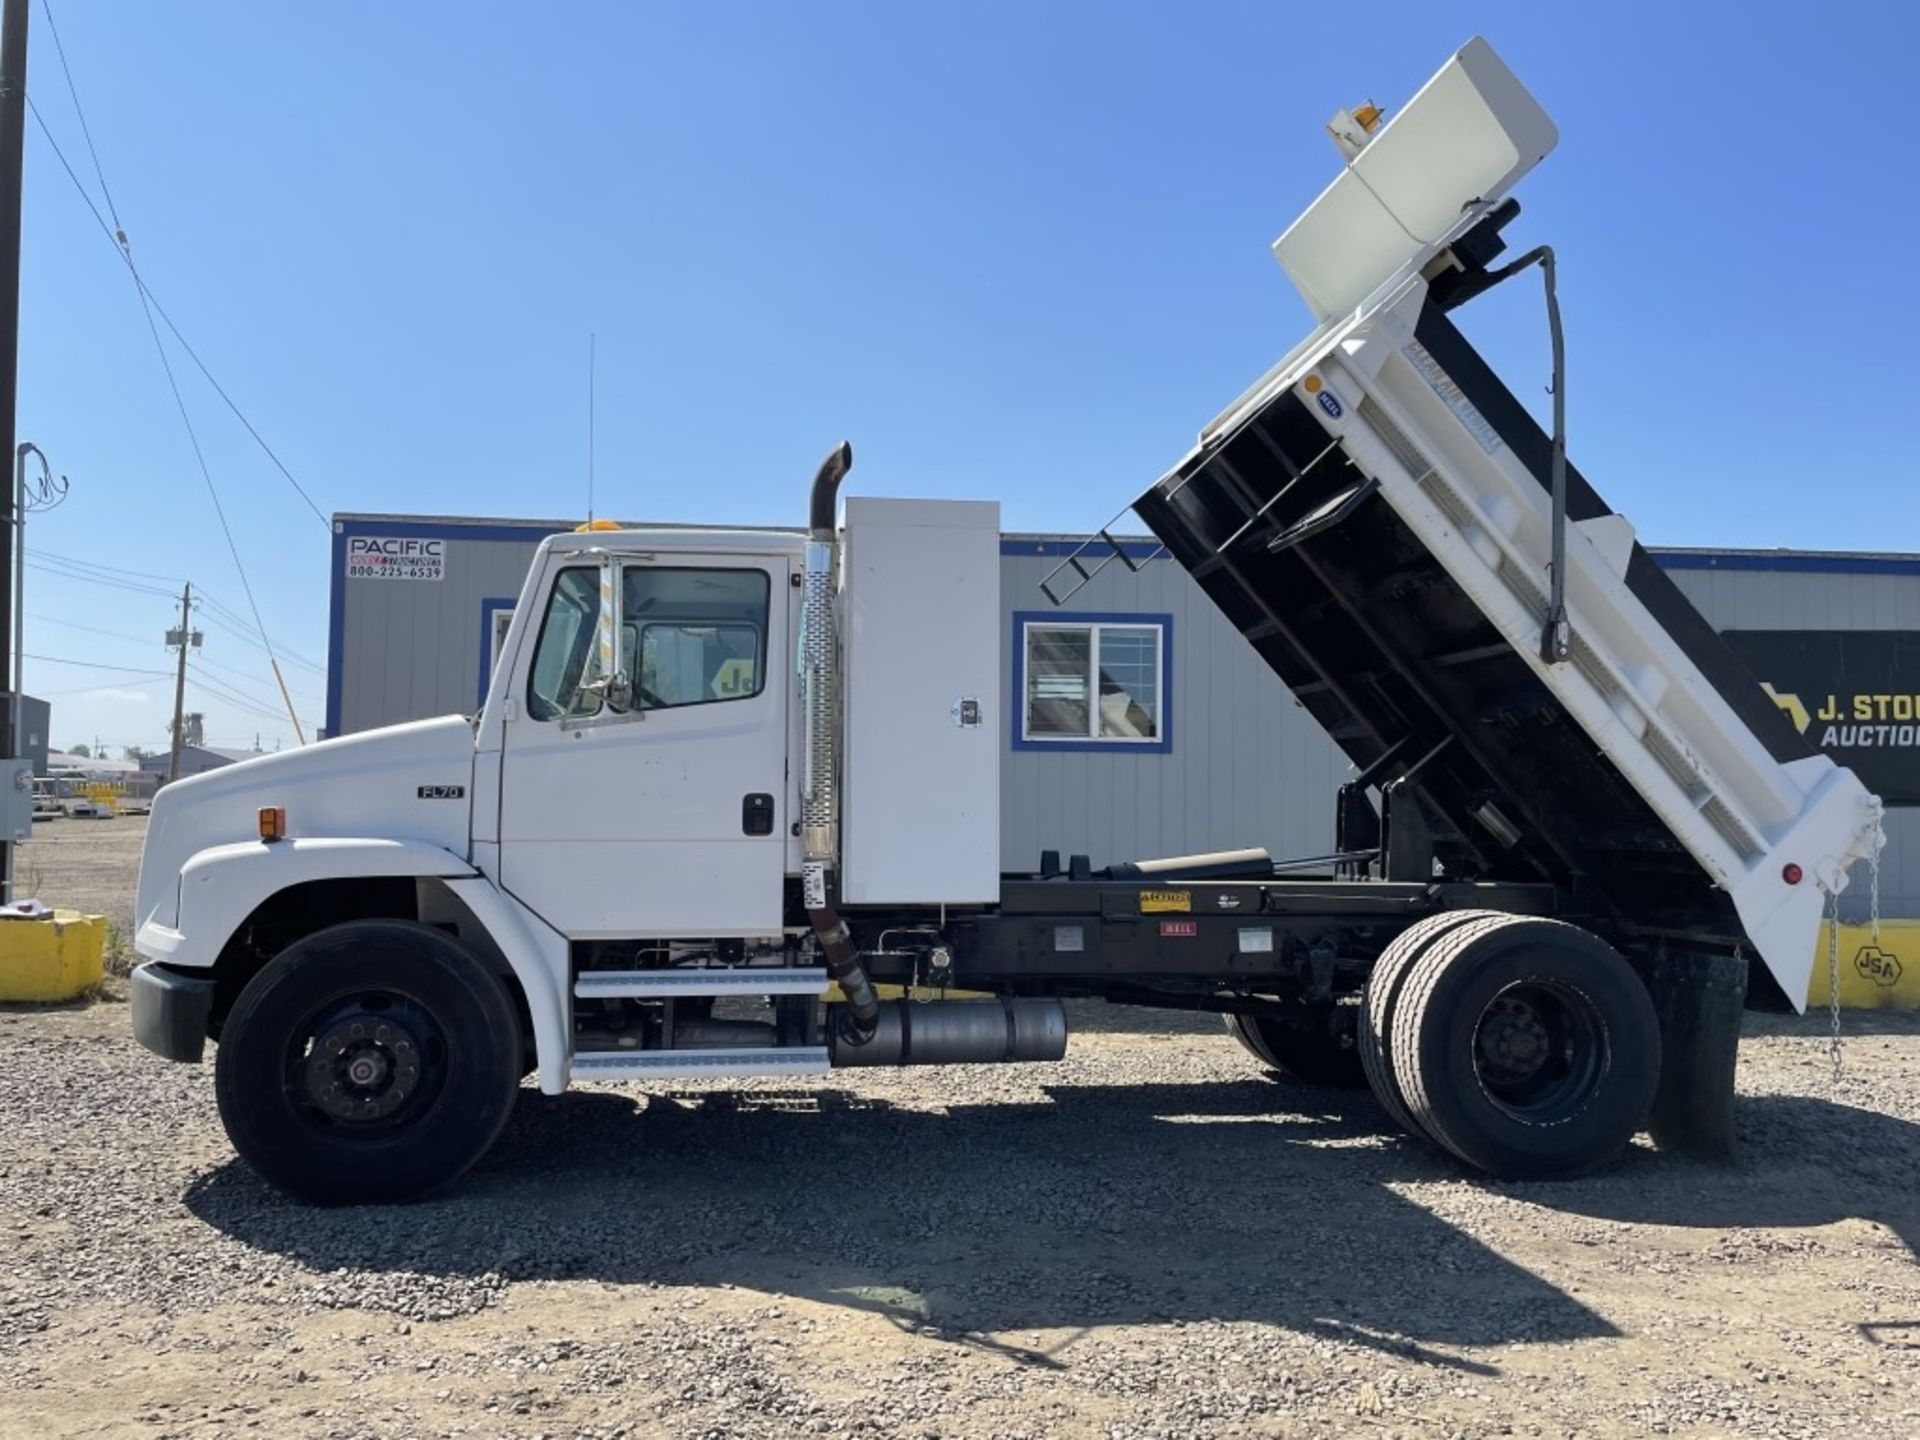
x=1791, y=873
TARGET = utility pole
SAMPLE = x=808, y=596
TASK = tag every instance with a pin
x=183, y=637
x=13, y=136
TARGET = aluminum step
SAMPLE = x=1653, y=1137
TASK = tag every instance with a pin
x=738, y=1062
x=668, y=984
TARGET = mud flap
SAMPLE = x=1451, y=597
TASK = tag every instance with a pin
x=1699, y=998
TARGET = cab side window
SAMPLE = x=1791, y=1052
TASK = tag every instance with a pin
x=563, y=658
x=693, y=637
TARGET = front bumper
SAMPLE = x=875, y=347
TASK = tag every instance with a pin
x=170, y=1012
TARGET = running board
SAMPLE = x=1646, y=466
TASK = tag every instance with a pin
x=738, y=1062
x=669, y=984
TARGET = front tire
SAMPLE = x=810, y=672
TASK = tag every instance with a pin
x=369, y=1062
x=1527, y=1047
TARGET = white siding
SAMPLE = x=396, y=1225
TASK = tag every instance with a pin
x=1248, y=766
x=411, y=648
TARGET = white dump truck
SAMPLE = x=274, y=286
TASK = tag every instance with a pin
x=724, y=784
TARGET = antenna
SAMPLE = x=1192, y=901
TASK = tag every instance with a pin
x=591, y=345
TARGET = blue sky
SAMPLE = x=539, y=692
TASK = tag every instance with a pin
x=1013, y=251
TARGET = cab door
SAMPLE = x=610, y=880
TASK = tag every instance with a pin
x=651, y=800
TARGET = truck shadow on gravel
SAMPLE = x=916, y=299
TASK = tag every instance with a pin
x=1124, y=1205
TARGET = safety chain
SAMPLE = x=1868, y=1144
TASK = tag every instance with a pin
x=1834, y=1058
x=1873, y=893
x=1833, y=987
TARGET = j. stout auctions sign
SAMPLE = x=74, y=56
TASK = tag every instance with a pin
x=1854, y=694
x=395, y=557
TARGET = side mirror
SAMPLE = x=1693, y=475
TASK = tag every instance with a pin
x=610, y=681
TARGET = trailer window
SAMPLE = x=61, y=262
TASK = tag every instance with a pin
x=1099, y=683
x=693, y=637
x=565, y=652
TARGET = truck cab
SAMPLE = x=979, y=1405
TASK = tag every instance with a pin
x=630, y=765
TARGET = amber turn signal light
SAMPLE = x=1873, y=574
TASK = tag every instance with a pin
x=273, y=822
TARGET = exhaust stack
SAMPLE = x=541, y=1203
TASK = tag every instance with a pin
x=855, y=1022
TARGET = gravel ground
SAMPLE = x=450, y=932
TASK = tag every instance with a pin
x=1151, y=1239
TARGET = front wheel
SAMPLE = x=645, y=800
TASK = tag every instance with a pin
x=372, y=1061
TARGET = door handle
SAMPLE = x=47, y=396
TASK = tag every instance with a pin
x=756, y=815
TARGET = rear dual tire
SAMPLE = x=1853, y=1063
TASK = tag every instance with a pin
x=1315, y=1048
x=1526, y=1047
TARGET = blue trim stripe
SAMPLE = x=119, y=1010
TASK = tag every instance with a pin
x=1060, y=549
x=1782, y=562
x=447, y=530
x=1787, y=562
x=1016, y=734
x=336, y=627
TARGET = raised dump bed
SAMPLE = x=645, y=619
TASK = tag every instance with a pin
x=1376, y=515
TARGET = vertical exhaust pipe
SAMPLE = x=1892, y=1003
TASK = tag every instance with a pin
x=857, y=1020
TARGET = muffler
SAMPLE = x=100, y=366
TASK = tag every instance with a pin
x=955, y=1032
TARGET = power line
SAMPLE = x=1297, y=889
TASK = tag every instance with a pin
x=89, y=665
x=241, y=632
x=69, y=569
x=54, y=30
x=170, y=580
x=93, y=629
x=252, y=677
x=179, y=401
x=147, y=640
x=147, y=307
x=110, y=583
x=118, y=236
x=252, y=706
x=97, y=689
x=226, y=689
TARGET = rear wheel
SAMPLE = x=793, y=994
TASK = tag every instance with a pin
x=1527, y=1047
x=1375, y=1030
x=372, y=1061
x=1316, y=1046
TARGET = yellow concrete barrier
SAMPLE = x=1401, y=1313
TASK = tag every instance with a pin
x=1873, y=976
x=55, y=959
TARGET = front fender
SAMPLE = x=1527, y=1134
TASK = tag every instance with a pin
x=221, y=886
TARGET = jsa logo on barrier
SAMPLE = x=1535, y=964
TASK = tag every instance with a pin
x=395, y=557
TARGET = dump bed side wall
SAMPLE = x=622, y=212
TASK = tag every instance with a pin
x=1388, y=654
x=1654, y=588
x=1397, y=661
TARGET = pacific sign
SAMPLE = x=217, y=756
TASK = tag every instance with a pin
x=395, y=557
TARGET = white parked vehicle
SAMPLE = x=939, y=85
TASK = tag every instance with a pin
x=664, y=849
